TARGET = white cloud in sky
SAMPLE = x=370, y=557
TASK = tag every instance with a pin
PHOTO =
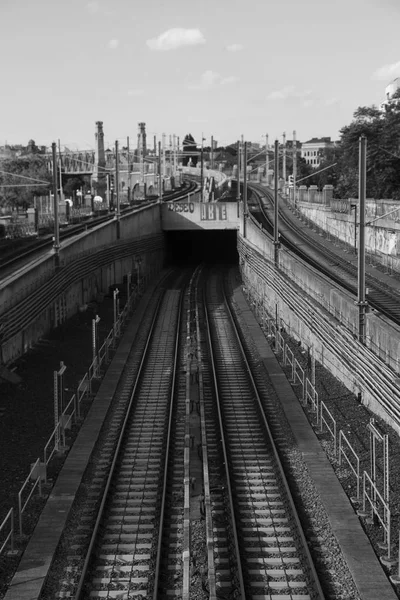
x=228, y=80
x=113, y=44
x=136, y=92
x=210, y=79
x=331, y=101
x=389, y=71
x=289, y=91
x=234, y=47
x=92, y=7
x=281, y=94
x=176, y=38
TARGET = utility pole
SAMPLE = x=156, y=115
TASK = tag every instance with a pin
x=294, y=168
x=361, y=301
x=60, y=167
x=244, y=188
x=163, y=155
x=56, y=244
x=284, y=158
x=266, y=158
x=212, y=153
x=160, y=179
x=129, y=173
x=238, y=173
x=241, y=155
x=201, y=170
x=117, y=188
x=276, y=183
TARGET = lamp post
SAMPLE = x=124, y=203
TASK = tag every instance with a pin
x=354, y=207
x=95, y=322
x=58, y=402
x=115, y=295
x=128, y=286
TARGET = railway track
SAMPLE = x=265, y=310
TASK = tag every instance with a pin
x=141, y=529
x=259, y=541
x=13, y=256
x=343, y=272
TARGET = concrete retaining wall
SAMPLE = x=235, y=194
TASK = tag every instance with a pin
x=36, y=299
x=308, y=304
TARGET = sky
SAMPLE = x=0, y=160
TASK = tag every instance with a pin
x=220, y=68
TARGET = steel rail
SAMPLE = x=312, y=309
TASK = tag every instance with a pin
x=113, y=465
x=167, y=452
x=289, y=496
x=241, y=593
x=46, y=242
x=384, y=301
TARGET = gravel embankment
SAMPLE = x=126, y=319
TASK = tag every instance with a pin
x=352, y=417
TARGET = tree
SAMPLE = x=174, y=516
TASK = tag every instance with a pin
x=72, y=184
x=189, y=146
x=28, y=169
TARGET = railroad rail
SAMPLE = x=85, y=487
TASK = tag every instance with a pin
x=12, y=256
x=260, y=548
x=316, y=253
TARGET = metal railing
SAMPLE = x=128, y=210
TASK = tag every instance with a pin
x=70, y=413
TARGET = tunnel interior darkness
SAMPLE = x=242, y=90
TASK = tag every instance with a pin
x=193, y=247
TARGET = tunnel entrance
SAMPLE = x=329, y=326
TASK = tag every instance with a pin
x=193, y=247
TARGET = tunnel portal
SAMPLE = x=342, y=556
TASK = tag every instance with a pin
x=192, y=247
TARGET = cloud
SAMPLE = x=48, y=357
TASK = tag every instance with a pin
x=389, y=71
x=136, y=92
x=281, y=94
x=234, y=47
x=289, y=91
x=113, y=44
x=92, y=7
x=331, y=101
x=210, y=79
x=176, y=38
x=228, y=80
x=207, y=80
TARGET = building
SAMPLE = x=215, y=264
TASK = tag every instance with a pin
x=313, y=150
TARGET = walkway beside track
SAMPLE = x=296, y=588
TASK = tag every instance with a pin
x=34, y=566
x=367, y=572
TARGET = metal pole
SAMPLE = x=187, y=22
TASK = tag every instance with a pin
x=276, y=173
x=55, y=395
x=160, y=180
x=201, y=171
x=266, y=158
x=238, y=172
x=244, y=188
x=284, y=158
x=61, y=185
x=355, y=229
x=117, y=187
x=56, y=244
x=163, y=155
x=361, y=301
x=212, y=153
x=129, y=172
x=128, y=286
x=294, y=167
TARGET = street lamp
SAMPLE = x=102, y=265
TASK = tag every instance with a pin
x=95, y=322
